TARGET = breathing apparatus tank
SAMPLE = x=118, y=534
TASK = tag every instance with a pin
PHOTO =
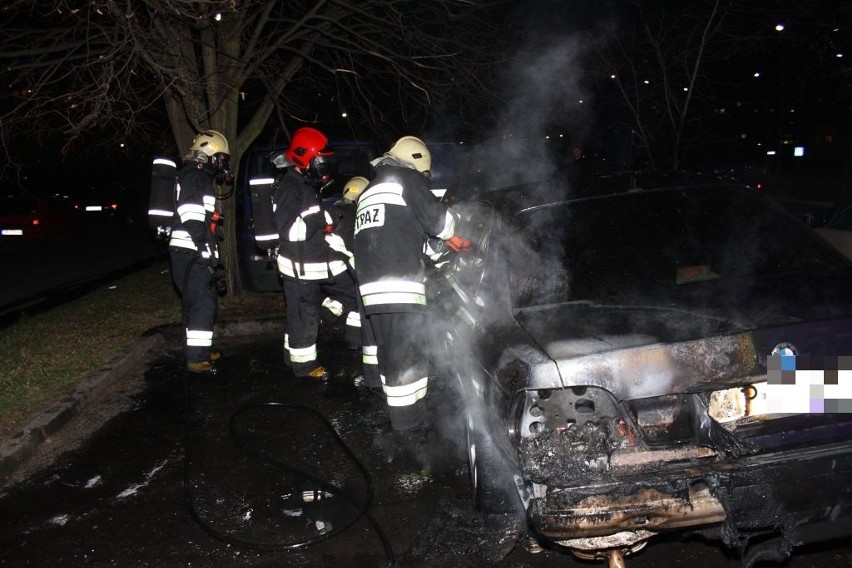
x=265, y=233
x=161, y=207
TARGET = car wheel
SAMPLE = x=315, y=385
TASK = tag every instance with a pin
x=492, y=484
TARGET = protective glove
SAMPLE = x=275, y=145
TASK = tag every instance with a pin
x=216, y=224
x=459, y=244
x=435, y=249
x=335, y=242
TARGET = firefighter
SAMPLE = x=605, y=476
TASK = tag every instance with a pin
x=341, y=239
x=193, y=245
x=311, y=270
x=343, y=214
x=395, y=213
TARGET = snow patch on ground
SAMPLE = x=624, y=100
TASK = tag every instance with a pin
x=133, y=489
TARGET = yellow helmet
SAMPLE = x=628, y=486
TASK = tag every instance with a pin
x=210, y=143
x=354, y=187
x=413, y=152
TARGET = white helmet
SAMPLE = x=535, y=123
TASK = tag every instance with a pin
x=354, y=187
x=413, y=152
x=210, y=143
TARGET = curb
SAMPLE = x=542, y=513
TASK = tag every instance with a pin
x=13, y=452
x=16, y=450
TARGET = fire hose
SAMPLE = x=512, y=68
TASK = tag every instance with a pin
x=323, y=486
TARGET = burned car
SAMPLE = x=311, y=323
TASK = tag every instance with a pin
x=624, y=351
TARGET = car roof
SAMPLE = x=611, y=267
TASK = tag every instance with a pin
x=545, y=193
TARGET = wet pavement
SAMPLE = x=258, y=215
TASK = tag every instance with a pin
x=257, y=468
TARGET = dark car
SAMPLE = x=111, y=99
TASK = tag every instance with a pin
x=627, y=351
x=834, y=224
x=258, y=269
x=39, y=217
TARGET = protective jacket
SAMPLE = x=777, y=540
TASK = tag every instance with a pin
x=303, y=253
x=395, y=214
x=195, y=204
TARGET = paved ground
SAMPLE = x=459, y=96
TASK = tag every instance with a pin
x=144, y=467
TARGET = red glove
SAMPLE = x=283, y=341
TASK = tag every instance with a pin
x=459, y=244
x=214, y=221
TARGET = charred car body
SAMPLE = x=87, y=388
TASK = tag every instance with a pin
x=617, y=347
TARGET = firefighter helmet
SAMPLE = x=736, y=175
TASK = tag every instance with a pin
x=413, y=152
x=210, y=143
x=307, y=143
x=354, y=187
x=213, y=146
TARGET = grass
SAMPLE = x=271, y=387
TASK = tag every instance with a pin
x=44, y=355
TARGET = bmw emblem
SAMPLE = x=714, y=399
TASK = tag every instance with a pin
x=785, y=350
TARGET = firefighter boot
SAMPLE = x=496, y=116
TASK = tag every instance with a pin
x=318, y=372
x=202, y=368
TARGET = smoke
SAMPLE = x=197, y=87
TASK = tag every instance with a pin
x=546, y=110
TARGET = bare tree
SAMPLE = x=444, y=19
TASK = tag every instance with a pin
x=659, y=69
x=103, y=70
x=671, y=66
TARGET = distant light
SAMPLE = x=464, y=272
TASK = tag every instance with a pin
x=647, y=82
x=612, y=76
x=799, y=151
x=686, y=89
x=580, y=101
x=779, y=27
x=94, y=208
x=344, y=114
x=218, y=17
x=757, y=74
x=562, y=136
x=770, y=152
x=839, y=55
x=121, y=145
x=743, y=136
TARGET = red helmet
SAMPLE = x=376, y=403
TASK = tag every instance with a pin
x=307, y=143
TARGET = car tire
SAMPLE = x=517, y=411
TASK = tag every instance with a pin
x=492, y=484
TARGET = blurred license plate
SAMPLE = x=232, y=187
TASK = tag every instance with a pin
x=11, y=232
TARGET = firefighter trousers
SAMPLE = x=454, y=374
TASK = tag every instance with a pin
x=401, y=339
x=196, y=284
x=369, y=349
x=303, y=302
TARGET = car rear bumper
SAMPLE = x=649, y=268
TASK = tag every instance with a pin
x=783, y=491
